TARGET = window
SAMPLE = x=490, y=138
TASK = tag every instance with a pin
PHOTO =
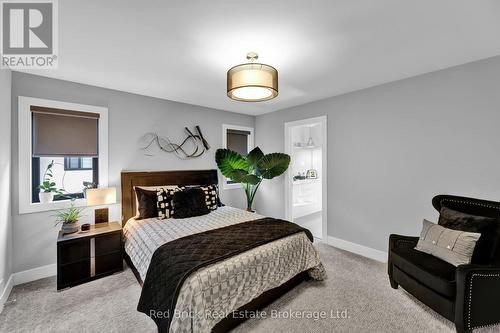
x=71, y=139
x=239, y=139
x=77, y=163
x=68, y=173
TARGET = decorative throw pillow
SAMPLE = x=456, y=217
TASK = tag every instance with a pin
x=164, y=202
x=155, y=189
x=146, y=203
x=219, y=202
x=453, y=246
x=488, y=227
x=211, y=195
x=189, y=202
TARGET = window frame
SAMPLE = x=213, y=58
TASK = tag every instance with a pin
x=250, y=146
x=25, y=151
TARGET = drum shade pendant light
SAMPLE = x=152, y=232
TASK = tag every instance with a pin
x=252, y=82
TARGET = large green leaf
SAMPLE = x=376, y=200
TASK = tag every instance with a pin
x=241, y=176
x=254, y=156
x=273, y=165
x=228, y=161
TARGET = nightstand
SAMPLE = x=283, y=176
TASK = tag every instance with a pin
x=88, y=255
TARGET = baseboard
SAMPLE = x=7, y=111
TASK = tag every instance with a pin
x=358, y=249
x=6, y=292
x=24, y=277
x=34, y=274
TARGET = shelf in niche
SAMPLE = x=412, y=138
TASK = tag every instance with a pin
x=306, y=147
x=304, y=203
x=305, y=181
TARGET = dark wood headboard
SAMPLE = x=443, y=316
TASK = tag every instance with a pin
x=152, y=178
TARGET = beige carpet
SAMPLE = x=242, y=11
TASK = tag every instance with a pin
x=355, y=285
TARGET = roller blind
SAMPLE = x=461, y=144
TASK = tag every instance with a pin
x=57, y=132
x=238, y=141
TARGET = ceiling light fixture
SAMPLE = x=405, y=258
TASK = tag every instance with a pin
x=252, y=82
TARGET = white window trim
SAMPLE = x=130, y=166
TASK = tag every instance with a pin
x=225, y=127
x=25, y=153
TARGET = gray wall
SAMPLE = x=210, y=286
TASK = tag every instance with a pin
x=391, y=148
x=130, y=117
x=5, y=166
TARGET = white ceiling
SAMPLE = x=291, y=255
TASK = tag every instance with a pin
x=181, y=50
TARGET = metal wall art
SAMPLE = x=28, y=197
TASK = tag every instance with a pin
x=194, y=145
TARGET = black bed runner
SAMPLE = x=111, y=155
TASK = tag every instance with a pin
x=174, y=261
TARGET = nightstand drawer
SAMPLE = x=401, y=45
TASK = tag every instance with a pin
x=108, y=263
x=71, y=274
x=107, y=244
x=74, y=251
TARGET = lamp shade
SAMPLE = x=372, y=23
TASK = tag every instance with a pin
x=252, y=82
x=101, y=196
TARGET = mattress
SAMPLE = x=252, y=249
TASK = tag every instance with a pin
x=216, y=290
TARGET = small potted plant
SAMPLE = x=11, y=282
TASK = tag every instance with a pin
x=48, y=188
x=69, y=218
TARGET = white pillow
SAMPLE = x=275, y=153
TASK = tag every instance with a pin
x=453, y=246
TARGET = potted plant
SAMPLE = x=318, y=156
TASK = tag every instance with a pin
x=48, y=188
x=252, y=169
x=69, y=218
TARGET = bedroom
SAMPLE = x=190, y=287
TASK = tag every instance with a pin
x=409, y=94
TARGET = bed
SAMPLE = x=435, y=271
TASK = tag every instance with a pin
x=218, y=296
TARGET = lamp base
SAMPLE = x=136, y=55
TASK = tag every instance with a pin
x=101, y=215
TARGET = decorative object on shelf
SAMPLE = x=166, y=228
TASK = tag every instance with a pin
x=252, y=169
x=311, y=174
x=98, y=197
x=69, y=218
x=310, y=143
x=87, y=186
x=198, y=142
x=85, y=227
x=299, y=176
x=298, y=145
x=48, y=187
x=252, y=82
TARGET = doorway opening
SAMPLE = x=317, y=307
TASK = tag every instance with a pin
x=305, y=185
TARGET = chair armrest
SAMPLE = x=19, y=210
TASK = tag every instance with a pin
x=478, y=291
x=402, y=241
x=398, y=241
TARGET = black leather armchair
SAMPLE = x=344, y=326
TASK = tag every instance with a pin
x=468, y=295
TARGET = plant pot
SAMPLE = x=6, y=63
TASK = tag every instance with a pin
x=46, y=197
x=69, y=228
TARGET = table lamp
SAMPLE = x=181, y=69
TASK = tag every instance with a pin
x=101, y=196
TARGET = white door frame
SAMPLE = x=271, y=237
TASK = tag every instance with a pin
x=324, y=184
